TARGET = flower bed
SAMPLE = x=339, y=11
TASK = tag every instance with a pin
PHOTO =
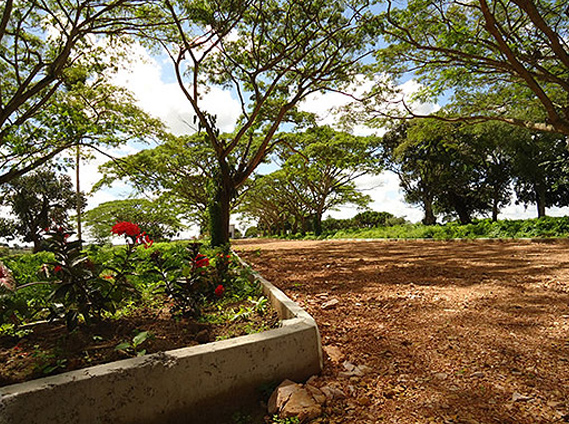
x=198, y=384
x=122, y=302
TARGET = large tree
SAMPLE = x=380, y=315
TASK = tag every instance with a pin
x=541, y=175
x=37, y=201
x=322, y=165
x=318, y=173
x=499, y=60
x=48, y=48
x=176, y=172
x=272, y=54
x=448, y=168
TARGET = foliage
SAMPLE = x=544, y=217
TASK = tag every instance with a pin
x=503, y=61
x=175, y=173
x=183, y=283
x=81, y=290
x=452, y=169
x=540, y=174
x=54, y=89
x=544, y=227
x=319, y=167
x=133, y=347
x=38, y=199
x=363, y=220
x=111, y=278
x=272, y=54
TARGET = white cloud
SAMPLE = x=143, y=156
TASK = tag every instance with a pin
x=144, y=76
x=386, y=197
x=326, y=105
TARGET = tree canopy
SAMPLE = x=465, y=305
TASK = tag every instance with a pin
x=272, y=54
x=318, y=174
x=158, y=220
x=498, y=60
x=38, y=201
x=53, y=92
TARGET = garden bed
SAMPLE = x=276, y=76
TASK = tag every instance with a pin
x=49, y=348
x=197, y=384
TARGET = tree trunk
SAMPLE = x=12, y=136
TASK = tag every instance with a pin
x=317, y=224
x=540, y=199
x=461, y=209
x=495, y=209
x=429, y=218
x=36, y=240
x=219, y=211
x=78, y=193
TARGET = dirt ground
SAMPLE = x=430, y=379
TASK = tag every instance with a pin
x=452, y=332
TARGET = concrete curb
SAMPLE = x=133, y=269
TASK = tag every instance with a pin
x=199, y=384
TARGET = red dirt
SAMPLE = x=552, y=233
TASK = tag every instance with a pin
x=454, y=332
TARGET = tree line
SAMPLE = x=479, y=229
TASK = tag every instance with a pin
x=495, y=62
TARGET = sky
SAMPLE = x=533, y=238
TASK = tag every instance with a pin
x=151, y=81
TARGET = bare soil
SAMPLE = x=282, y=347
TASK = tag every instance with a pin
x=453, y=332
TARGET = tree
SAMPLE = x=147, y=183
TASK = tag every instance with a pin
x=318, y=173
x=39, y=200
x=272, y=54
x=322, y=165
x=505, y=61
x=272, y=201
x=177, y=172
x=447, y=168
x=46, y=47
x=158, y=220
x=541, y=175
x=417, y=176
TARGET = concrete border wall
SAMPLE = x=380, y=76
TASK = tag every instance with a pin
x=199, y=384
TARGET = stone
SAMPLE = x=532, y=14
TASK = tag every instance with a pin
x=353, y=370
x=331, y=304
x=312, y=381
x=281, y=395
x=518, y=397
x=348, y=366
x=334, y=353
x=302, y=405
x=291, y=399
x=440, y=375
x=316, y=393
x=332, y=392
x=202, y=337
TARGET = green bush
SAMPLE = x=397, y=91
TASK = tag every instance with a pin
x=484, y=228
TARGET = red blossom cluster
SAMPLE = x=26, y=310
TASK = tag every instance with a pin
x=219, y=290
x=201, y=261
x=145, y=239
x=128, y=229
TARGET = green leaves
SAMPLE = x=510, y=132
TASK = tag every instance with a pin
x=480, y=53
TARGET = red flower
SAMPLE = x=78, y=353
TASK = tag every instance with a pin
x=219, y=290
x=145, y=239
x=201, y=261
x=57, y=268
x=126, y=228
